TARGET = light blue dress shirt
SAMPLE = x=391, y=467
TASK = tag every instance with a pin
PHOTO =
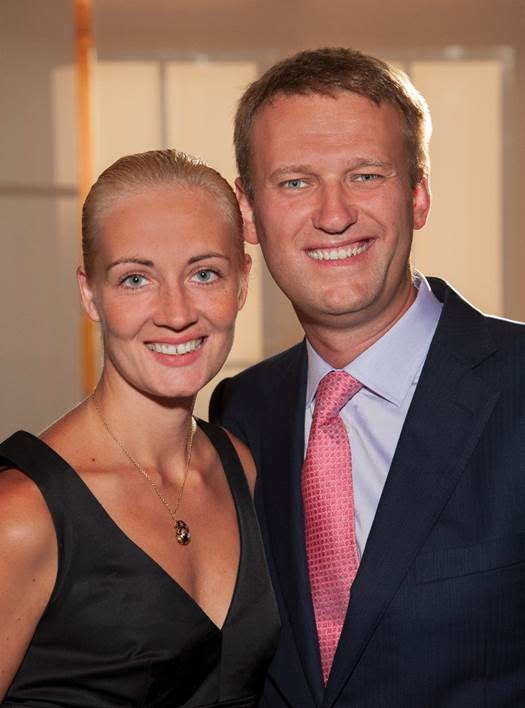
x=389, y=371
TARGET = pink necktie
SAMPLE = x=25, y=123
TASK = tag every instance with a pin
x=328, y=499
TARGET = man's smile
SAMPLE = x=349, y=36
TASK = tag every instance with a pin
x=340, y=253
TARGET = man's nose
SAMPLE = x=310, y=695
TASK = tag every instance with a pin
x=335, y=212
x=175, y=308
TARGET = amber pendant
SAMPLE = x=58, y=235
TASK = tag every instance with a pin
x=182, y=532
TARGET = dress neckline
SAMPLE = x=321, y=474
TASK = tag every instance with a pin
x=162, y=571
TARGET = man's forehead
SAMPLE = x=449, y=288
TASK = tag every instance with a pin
x=337, y=111
x=284, y=102
x=314, y=132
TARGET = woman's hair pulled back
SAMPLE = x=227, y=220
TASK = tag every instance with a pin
x=136, y=174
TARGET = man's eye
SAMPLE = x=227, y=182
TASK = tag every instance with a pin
x=367, y=177
x=134, y=281
x=294, y=183
x=206, y=275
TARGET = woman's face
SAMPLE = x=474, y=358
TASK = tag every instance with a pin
x=166, y=287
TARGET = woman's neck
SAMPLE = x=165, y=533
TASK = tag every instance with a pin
x=153, y=431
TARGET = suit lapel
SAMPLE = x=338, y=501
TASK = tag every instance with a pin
x=283, y=452
x=449, y=411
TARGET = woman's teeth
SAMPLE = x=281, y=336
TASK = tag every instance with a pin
x=175, y=349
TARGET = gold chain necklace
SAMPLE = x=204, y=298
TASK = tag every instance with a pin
x=182, y=531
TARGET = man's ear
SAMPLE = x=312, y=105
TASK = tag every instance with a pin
x=86, y=295
x=249, y=230
x=421, y=203
x=243, y=287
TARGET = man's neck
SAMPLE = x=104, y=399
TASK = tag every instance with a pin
x=339, y=346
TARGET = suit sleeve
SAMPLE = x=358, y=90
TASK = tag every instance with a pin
x=226, y=408
x=216, y=403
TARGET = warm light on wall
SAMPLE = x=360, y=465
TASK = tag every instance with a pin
x=84, y=44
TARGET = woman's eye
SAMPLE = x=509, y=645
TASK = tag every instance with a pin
x=134, y=281
x=206, y=275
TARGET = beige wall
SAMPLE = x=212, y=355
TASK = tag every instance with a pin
x=153, y=63
x=463, y=240
x=404, y=30
x=39, y=347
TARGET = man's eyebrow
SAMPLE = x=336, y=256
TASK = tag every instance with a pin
x=137, y=261
x=367, y=162
x=291, y=169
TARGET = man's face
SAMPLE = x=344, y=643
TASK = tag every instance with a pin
x=333, y=208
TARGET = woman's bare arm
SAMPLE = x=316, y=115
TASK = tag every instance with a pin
x=28, y=567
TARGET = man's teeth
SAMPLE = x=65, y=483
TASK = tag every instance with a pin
x=178, y=349
x=337, y=254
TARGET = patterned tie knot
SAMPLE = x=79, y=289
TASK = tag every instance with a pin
x=333, y=392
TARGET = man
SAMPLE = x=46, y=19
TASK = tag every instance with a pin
x=390, y=445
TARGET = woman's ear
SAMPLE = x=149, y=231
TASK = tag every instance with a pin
x=85, y=287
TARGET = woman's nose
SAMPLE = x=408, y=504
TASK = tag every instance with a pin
x=175, y=308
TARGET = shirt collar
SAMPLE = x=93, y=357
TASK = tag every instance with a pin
x=393, y=363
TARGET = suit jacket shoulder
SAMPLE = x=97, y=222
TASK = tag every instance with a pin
x=470, y=336
x=238, y=400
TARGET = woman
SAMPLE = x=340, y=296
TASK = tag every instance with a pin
x=131, y=567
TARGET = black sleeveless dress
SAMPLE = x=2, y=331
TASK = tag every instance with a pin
x=118, y=630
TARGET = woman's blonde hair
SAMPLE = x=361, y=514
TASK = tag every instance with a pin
x=133, y=174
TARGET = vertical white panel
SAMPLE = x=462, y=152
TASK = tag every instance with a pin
x=201, y=100
x=126, y=110
x=463, y=241
x=64, y=124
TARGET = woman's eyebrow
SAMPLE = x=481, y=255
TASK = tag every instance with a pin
x=210, y=254
x=137, y=261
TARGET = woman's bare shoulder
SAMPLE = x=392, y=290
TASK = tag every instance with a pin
x=69, y=425
x=71, y=436
x=28, y=563
x=25, y=522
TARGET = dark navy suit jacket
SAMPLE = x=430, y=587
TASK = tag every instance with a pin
x=437, y=610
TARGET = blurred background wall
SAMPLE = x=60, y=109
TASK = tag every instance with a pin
x=166, y=73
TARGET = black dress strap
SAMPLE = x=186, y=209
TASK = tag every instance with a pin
x=29, y=454
x=253, y=581
x=229, y=459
